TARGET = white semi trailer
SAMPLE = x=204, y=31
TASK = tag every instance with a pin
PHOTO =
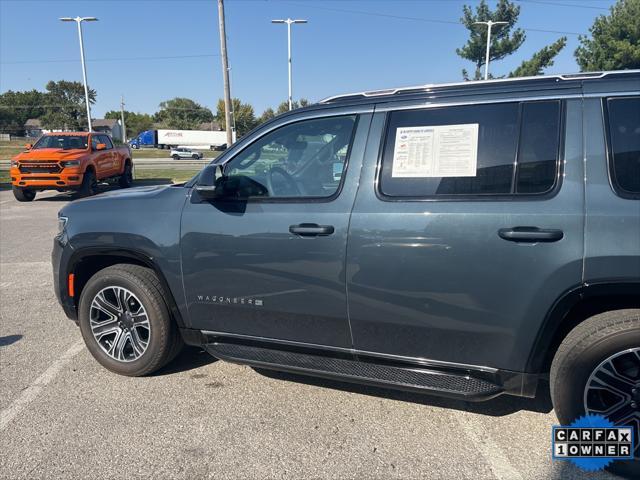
x=163, y=138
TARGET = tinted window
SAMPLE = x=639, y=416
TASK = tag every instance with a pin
x=495, y=152
x=538, y=149
x=304, y=159
x=65, y=142
x=106, y=140
x=624, y=143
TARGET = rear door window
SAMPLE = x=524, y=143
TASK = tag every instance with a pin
x=472, y=150
x=623, y=115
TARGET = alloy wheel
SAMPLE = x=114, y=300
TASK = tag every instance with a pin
x=613, y=391
x=120, y=324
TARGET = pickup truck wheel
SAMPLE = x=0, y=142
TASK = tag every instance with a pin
x=126, y=179
x=89, y=184
x=23, y=194
x=125, y=321
x=596, y=370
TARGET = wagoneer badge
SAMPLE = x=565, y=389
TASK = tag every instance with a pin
x=254, y=302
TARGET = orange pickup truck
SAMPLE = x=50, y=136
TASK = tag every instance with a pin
x=69, y=161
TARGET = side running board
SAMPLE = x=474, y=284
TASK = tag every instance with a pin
x=462, y=385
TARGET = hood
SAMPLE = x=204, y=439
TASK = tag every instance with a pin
x=52, y=154
x=130, y=193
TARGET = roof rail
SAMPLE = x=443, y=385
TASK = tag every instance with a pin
x=429, y=87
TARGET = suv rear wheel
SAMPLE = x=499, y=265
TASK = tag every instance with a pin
x=176, y=157
x=23, y=194
x=125, y=321
x=596, y=370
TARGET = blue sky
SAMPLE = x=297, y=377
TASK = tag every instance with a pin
x=346, y=46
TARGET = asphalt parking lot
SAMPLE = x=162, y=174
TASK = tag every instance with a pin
x=64, y=416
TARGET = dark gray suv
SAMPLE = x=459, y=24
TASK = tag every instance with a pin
x=466, y=240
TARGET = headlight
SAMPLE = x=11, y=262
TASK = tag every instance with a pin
x=14, y=163
x=62, y=223
x=71, y=163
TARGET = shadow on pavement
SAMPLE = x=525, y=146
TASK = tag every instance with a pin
x=189, y=359
x=9, y=339
x=497, y=407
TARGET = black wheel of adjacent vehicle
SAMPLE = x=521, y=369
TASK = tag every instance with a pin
x=596, y=370
x=176, y=157
x=126, y=179
x=23, y=194
x=125, y=321
x=195, y=156
x=89, y=184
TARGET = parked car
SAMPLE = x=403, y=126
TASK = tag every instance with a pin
x=74, y=161
x=220, y=148
x=178, y=153
x=472, y=240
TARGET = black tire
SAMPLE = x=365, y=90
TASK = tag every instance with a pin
x=195, y=156
x=164, y=341
x=581, y=353
x=89, y=184
x=176, y=157
x=23, y=194
x=126, y=179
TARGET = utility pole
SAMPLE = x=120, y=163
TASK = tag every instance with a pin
x=79, y=21
x=124, y=128
x=225, y=73
x=489, y=24
x=289, y=22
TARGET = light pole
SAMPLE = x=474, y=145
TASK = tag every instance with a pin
x=289, y=22
x=489, y=24
x=79, y=21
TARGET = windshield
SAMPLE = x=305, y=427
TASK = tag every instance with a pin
x=65, y=142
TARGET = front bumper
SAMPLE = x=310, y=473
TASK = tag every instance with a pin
x=66, y=178
x=61, y=261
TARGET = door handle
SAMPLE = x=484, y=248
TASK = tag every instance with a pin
x=311, y=230
x=530, y=234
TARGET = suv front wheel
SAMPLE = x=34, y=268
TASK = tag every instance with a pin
x=125, y=321
x=596, y=370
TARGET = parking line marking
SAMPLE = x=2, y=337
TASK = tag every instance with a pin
x=30, y=393
x=488, y=448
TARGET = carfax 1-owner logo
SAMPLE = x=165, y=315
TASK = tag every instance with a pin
x=592, y=442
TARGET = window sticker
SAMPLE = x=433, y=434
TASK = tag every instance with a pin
x=436, y=151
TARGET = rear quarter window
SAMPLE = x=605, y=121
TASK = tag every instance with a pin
x=623, y=122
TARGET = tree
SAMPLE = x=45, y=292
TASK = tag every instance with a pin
x=505, y=40
x=18, y=107
x=267, y=115
x=135, y=122
x=65, y=106
x=615, y=40
x=284, y=106
x=243, y=114
x=540, y=60
x=182, y=114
